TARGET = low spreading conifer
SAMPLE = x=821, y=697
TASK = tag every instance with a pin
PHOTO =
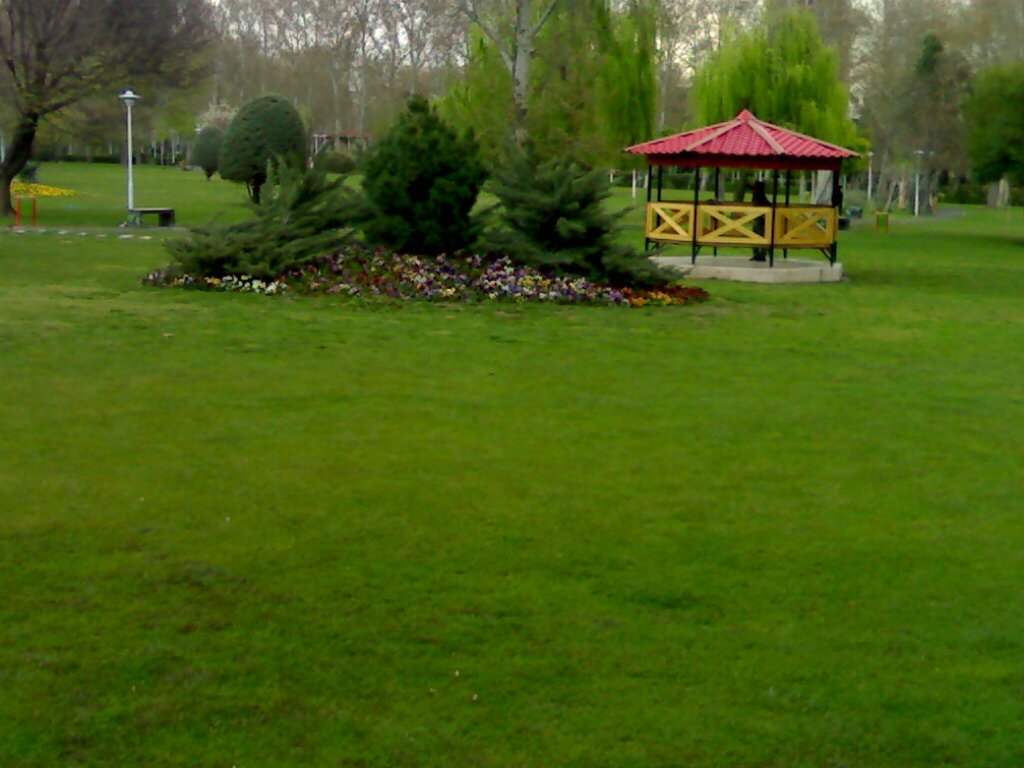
x=553, y=217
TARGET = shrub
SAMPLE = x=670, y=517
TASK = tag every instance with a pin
x=553, y=217
x=207, y=152
x=334, y=162
x=266, y=132
x=421, y=182
x=30, y=173
x=306, y=216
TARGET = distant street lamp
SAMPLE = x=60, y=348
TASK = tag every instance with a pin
x=917, y=184
x=870, y=156
x=129, y=97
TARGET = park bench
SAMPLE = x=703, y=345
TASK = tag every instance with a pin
x=165, y=216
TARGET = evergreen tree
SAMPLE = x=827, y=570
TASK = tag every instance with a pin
x=265, y=132
x=421, y=181
x=207, y=151
x=553, y=217
x=306, y=216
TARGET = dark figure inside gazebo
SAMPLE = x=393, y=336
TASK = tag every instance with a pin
x=743, y=143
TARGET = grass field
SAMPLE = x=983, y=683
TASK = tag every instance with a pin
x=782, y=528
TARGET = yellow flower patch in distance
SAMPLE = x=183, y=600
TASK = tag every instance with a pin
x=21, y=189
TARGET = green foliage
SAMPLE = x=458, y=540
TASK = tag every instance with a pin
x=265, y=131
x=783, y=73
x=331, y=161
x=481, y=100
x=995, y=119
x=554, y=217
x=207, y=152
x=593, y=90
x=421, y=181
x=306, y=216
x=29, y=173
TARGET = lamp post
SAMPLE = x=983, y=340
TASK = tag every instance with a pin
x=129, y=97
x=917, y=184
x=870, y=178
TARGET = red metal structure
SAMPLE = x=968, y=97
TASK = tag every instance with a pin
x=748, y=143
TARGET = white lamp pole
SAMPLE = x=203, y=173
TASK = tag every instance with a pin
x=870, y=178
x=917, y=184
x=129, y=97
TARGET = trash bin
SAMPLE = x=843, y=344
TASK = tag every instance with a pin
x=882, y=221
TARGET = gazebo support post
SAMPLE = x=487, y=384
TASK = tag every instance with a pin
x=661, y=176
x=695, y=222
x=718, y=188
x=833, y=250
x=789, y=179
x=650, y=170
x=771, y=224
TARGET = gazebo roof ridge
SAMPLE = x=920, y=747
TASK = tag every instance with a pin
x=745, y=137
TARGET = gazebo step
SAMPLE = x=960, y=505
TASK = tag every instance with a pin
x=743, y=270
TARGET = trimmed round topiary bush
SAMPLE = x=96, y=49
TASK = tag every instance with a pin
x=207, y=152
x=421, y=181
x=265, y=131
x=330, y=161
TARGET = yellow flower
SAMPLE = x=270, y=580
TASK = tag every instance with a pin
x=21, y=189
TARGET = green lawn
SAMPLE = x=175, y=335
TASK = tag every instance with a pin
x=782, y=528
x=102, y=195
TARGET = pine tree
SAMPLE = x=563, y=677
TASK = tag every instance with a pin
x=554, y=218
x=421, y=182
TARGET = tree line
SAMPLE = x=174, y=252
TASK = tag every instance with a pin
x=587, y=75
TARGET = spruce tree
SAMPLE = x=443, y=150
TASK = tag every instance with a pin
x=421, y=182
x=554, y=217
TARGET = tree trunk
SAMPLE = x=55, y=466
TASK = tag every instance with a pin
x=521, y=68
x=18, y=154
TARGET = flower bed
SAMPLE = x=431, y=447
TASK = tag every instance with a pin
x=360, y=272
x=23, y=189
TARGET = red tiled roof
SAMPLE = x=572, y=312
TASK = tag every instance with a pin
x=743, y=137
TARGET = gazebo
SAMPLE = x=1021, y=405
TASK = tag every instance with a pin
x=748, y=143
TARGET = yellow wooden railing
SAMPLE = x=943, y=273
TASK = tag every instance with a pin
x=671, y=222
x=736, y=224
x=805, y=226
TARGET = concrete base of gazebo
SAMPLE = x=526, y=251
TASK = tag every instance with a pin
x=746, y=271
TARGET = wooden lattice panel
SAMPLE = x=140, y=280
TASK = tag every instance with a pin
x=736, y=225
x=672, y=222
x=805, y=227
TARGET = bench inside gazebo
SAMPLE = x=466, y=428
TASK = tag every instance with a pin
x=751, y=144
